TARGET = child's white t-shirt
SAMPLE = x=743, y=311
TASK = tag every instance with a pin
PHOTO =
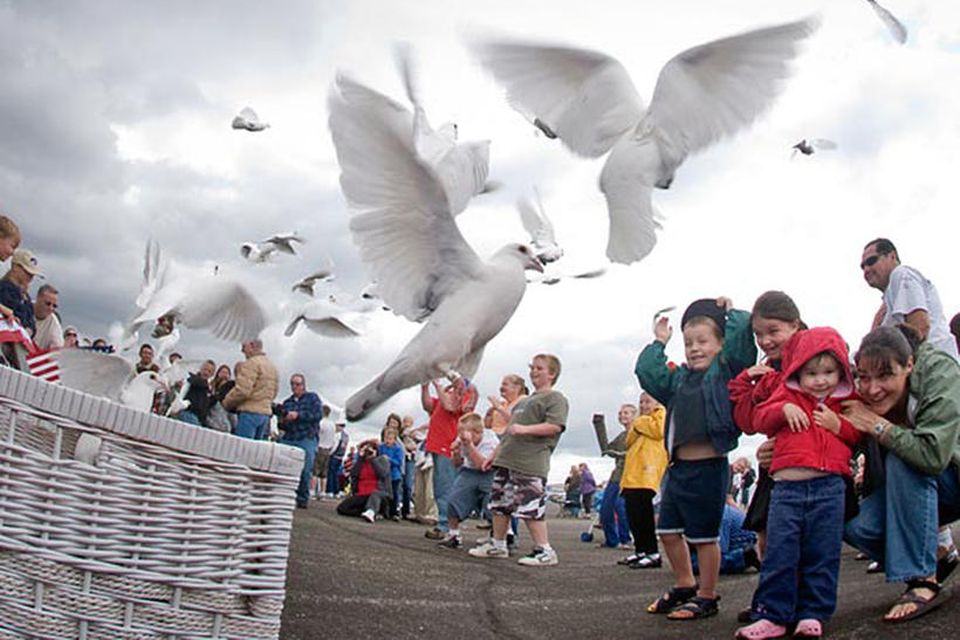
x=487, y=445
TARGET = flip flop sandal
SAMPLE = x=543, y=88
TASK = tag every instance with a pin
x=761, y=630
x=924, y=605
x=808, y=628
x=695, y=608
x=672, y=599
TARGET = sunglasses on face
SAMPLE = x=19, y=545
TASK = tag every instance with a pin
x=869, y=262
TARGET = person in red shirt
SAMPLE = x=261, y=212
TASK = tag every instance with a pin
x=370, y=488
x=811, y=457
x=452, y=402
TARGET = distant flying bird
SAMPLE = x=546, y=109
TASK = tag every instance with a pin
x=306, y=285
x=403, y=225
x=462, y=167
x=283, y=242
x=807, y=147
x=327, y=318
x=587, y=100
x=257, y=253
x=248, y=121
x=894, y=26
x=538, y=225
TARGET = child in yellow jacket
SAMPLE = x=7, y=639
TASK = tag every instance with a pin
x=643, y=469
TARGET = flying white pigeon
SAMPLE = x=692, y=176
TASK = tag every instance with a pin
x=538, y=225
x=323, y=274
x=257, y=253
x=894, y=26
x=109, y=376
x=587, y=100
x=403, y=225
x=283, y=242
x=214, y=303
x=328, y=319
x=808, y=147
x=248, y=120
x=461, y=167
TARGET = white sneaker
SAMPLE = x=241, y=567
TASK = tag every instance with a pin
x=539, y=558
x=488, y=550
x=369, y=516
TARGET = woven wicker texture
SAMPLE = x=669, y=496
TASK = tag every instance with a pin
x=127, y=525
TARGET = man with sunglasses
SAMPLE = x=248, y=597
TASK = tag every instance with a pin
x=49, y=333
x=300, y=417
x=907, y=296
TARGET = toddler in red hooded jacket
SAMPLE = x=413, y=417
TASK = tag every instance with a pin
x=798, y=581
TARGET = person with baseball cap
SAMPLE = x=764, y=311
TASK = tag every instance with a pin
x=15, y=285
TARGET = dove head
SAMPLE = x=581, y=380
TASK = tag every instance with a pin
x=522, y=254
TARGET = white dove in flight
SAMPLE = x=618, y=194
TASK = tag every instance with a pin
x=257, y=253
x=403, y=225
x=213, y=303
x=283, y=242
x=587, y=100
x=247, y=120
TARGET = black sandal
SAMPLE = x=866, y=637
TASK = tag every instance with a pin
x=672, y=599
x=696, y=608
x=923, y=605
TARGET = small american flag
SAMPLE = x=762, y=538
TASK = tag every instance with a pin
x=44, y=365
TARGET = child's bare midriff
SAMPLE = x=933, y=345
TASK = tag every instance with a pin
x=695, y=451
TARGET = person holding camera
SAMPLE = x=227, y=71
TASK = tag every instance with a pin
x=369, y=483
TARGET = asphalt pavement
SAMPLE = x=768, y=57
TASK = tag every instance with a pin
x=350, y=579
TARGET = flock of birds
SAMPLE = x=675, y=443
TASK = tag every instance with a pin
x=406, y=182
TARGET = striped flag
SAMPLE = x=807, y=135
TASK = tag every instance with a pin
x=44, y=365
x=13, y=332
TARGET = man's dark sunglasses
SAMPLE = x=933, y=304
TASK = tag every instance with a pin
x=872, y=260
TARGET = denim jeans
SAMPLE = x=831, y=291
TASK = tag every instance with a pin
x=804, y=538
x=409, y=474
x=897, y=523
x=444, y=474
x=309, y=446
x=189, y=417
x=333, y=475
x=613, y=516
x=253, y=426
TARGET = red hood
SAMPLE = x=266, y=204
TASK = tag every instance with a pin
x=806, y=344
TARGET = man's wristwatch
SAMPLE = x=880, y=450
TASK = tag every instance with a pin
x=880, y=428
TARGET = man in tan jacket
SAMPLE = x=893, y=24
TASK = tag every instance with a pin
x=252, y=396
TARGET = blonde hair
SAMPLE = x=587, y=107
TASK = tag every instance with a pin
x=553, y=364
x=9, y=229
x=471, y=422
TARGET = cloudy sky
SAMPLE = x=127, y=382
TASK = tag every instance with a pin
x=116, y=127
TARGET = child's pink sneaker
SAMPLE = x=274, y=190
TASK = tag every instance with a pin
x=808, y=628
x=761, y=630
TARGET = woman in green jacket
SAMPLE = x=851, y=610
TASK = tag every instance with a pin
x=911, y=407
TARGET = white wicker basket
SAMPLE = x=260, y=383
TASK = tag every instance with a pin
x=118, y=524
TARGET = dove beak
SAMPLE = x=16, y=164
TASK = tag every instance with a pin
x=534, y=263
